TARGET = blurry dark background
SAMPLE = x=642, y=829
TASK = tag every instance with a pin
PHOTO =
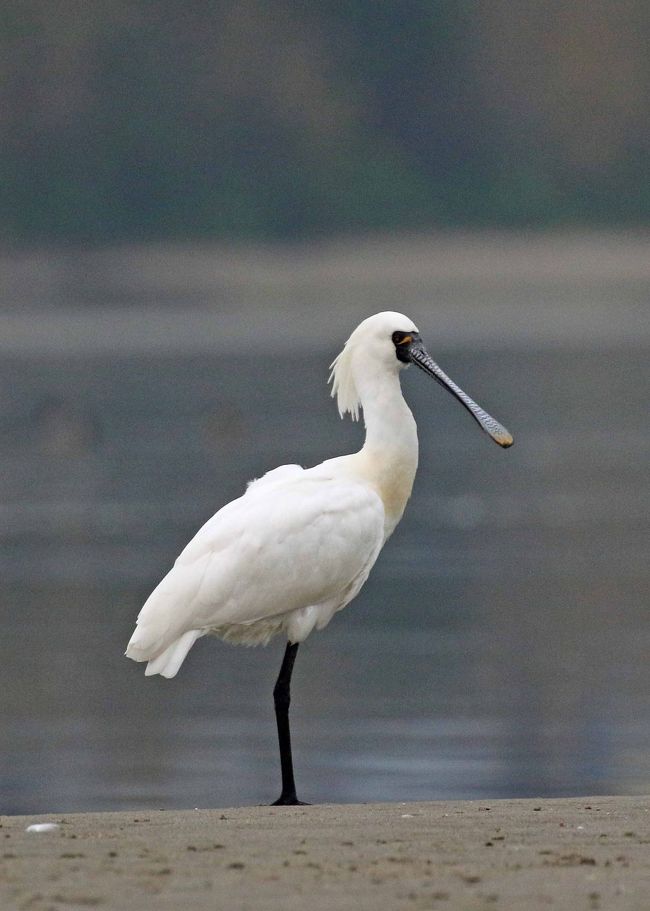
x=132, y=120
x=198, y=202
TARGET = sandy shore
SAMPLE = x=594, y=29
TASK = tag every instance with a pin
x=587, y=853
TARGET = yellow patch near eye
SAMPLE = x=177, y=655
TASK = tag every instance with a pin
x=406, y=340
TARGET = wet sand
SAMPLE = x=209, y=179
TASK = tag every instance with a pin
x=586, y=853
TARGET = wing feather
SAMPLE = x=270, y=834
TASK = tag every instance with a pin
x=293, y=541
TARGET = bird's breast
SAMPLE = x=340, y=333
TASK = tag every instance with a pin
x=394, y=491
x=392, y=478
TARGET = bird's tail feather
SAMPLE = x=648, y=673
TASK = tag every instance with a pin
x=168, y=661
x=161, y=636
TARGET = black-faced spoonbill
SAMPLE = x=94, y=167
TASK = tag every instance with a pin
x=299, y=544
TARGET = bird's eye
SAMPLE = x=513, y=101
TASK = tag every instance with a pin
x=402, y=338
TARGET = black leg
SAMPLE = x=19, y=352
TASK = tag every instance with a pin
x=282, y=699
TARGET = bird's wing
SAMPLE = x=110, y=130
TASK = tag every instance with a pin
x=276, y=475
x=302, y=541
x=217, y=532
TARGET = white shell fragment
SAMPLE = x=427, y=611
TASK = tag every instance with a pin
x=43, y=827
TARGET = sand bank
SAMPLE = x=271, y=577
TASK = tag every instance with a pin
x=587, y=853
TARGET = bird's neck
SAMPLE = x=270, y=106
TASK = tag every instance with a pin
x=390, y=453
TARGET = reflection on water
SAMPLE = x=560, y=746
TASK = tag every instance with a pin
x=499, y=648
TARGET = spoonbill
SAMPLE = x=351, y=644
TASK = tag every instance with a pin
x=299, y=544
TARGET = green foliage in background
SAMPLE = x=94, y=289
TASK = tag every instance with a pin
x=134, y=120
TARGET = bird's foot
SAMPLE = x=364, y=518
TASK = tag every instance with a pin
x=289, y=800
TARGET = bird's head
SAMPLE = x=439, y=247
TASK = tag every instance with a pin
x=388, y=342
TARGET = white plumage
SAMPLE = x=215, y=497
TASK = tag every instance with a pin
x=299, y=544
x=282, y=558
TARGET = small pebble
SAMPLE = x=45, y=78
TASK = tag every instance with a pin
x=43, y=827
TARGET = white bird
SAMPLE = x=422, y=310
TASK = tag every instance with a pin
x=299, y=544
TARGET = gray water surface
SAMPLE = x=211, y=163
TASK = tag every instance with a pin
x=500, y=647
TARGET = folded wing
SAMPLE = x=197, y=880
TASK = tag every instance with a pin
x=295, y=540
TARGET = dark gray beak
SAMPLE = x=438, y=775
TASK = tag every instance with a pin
x=419, y=356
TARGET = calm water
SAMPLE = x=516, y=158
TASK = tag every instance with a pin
x=500, y=647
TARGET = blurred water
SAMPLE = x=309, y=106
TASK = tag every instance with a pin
x=499, y=648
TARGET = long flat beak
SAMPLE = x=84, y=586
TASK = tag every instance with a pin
x=419, y=356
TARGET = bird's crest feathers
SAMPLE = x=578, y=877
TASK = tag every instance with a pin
x=344, y=388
